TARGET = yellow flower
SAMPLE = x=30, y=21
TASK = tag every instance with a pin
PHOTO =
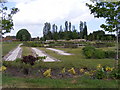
x=72, y=71
x=99, y=66
x=63, y=70
x=87, y=73
x=109, y=69
x=81, y=70
x=47, y=73
x=3, y=68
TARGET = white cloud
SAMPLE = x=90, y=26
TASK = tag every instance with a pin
x=34, y=13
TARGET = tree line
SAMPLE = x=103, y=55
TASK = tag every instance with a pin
x=51, y=32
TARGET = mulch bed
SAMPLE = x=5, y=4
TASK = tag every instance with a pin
x=38, y=72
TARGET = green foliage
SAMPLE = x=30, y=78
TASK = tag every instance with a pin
x=100, y=74
x=89, y=51
x=23, y=35
x=109, y=11
x=33, y=44
x=110, y=54
x=7, y=21
x=104, y=44
x=99, y=54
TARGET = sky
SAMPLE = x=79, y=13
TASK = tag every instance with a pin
x=34, y=13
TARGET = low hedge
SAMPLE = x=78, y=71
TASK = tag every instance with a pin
x=92, y=52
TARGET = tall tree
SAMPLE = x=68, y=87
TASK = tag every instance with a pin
x=53, y=28
x=66, y=25
x=46, y=31
x=61, y=29
x=111, y=12
x=81, y=29
x=85, y=31
x=69, y=26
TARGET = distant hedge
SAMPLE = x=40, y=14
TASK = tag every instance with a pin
x=91, y=52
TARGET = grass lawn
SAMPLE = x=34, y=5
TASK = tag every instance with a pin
x=8, y=46
x=77, y=60
x=79, y=82
x=26, y=51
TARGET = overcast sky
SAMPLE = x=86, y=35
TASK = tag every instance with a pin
x=34, y=13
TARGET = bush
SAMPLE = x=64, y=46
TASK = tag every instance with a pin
x=99, y=54
x=29, y=59
x=33, y=44
x=106, y=44
x=89, y=51
x=109, y=54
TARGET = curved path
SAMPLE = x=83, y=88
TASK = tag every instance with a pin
x=59, y=51
x=16, y=53
x=40, y=53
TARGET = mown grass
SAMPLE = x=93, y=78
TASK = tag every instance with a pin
x=77, y=60
x=26, y=51
x=8, y=46
x=79, y=82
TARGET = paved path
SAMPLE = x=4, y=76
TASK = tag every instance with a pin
x=40, y=53
x=59, y=51
x=14, y=54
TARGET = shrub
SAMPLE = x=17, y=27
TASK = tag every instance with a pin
x=29, y=59
x=99, y=54
x=109, y=54
x=89, y=51
x=101, y=44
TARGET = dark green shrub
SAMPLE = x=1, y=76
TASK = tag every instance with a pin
x=89, y=51
x=99, y=54
x=110, y=54
x=100, y=74
x=102, y=44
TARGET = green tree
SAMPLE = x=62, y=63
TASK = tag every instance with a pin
x=85, y=31
x=66, y=25
x=111, y=12
x=81, y=29
x=23, y=35
x=69, y=26
x=6, y=19
x=46, y=31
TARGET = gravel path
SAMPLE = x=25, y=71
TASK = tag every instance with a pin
x=16, y=53
x=40, y=53
x=59, y=51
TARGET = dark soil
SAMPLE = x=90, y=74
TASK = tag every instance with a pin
x=38, y=72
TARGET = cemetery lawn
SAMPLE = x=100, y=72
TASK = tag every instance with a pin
x=77, y=60
x=79, y=82
x=26, y=51
x=8, y=46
